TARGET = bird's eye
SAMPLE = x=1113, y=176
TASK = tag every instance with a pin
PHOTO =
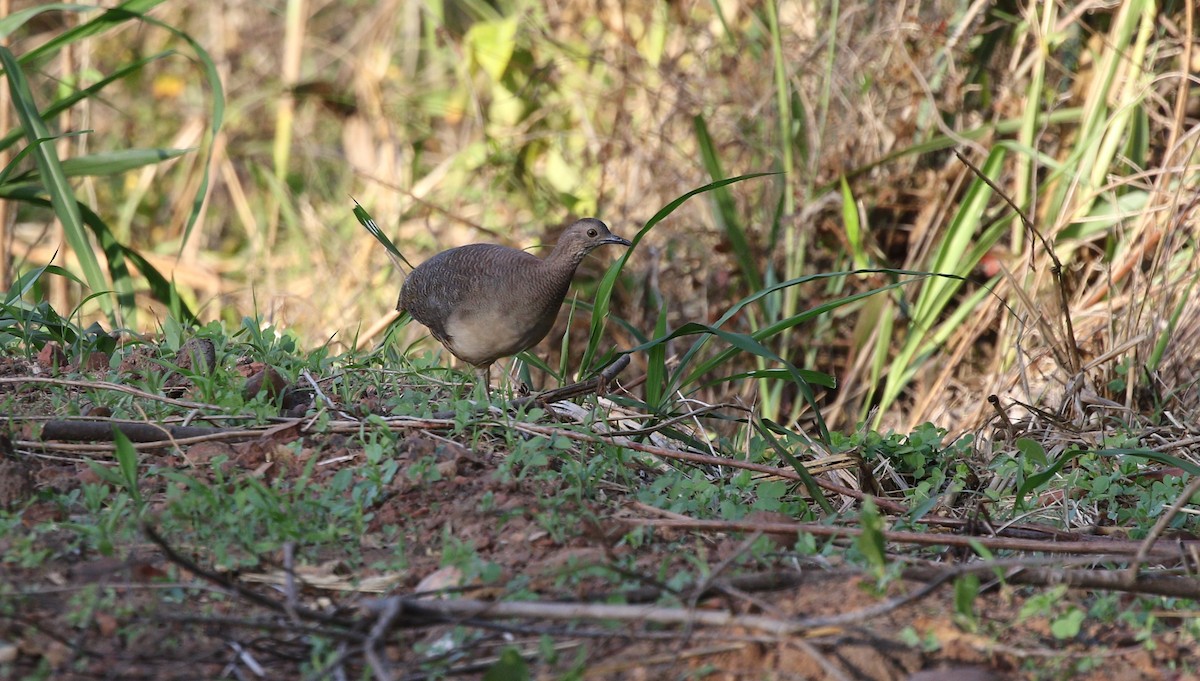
x=592, y=233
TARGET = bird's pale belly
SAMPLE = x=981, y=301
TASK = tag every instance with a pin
x=483, y=337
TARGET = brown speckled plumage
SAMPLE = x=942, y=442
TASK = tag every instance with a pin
x=485, y=301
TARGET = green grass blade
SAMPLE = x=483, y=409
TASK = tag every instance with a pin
x=728, y=218
x=15, y=20
x=604, y=290
x=853, y=227
x=113, y=162
x=764, y=428
x=748, y=344
x=161, y=289
x=64, y=103
x=62, y=197
x=942, y=142
x=133, y=9
x=656, y=362
x=956, y=255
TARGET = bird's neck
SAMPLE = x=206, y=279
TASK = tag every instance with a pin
x=556, y=271
x=563, y=259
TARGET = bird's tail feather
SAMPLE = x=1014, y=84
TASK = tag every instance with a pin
x=393, y=253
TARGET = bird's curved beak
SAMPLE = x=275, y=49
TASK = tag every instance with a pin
x=614, y=239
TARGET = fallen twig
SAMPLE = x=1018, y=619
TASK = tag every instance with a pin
x=455, y=610
x=106, y=385
x=72, y=430
x=1098, y=546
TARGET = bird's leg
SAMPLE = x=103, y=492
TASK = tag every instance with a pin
x=483, y=388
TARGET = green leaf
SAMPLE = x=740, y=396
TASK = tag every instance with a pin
x=1068, y=625
x=64, y=103
x=127, y=464
x=510, y=667
x=117, y=162
x=727, y=214
x=1036, y=481
x=15, y=20
x=1031, y=451
x=108, y=19
x=490, y=45
x=871, y=542
x=764, y=428
x=852, y=225
x=135, y=10
x=116, y=252
x=966, y=590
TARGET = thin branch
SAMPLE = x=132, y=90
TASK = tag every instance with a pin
x=105, y=385
x=1107, y=547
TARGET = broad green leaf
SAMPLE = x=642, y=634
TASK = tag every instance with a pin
x=490, y=45
x=1032, y=451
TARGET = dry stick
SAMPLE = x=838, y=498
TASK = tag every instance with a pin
x=1056, y=269
x=105, y=385
x=1174, y=586
x=379, y=666
x=1017, y=529
x=706, y=583
x=663, y=424
x=597, y=385
x=333, y=666
x=96, y=432
x=458, y=609
x=140, y=446
x=316, y=387
x=233, y=587
x=220, y=622
x=1131, y=572
x=72, y=430
x=885, y=504
x=1109, y=547
x=292, y=597
x=880, y=609
x=757, y=581
x=462, y=608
